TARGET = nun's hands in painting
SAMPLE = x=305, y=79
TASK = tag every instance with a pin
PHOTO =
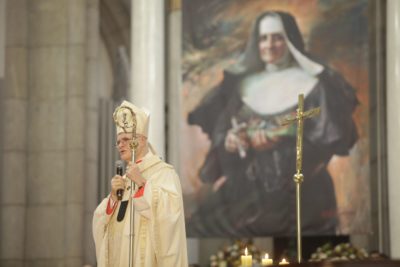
x=235, y=141
x=259, y=140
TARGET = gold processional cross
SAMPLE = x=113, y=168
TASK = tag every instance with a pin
x=298, y=177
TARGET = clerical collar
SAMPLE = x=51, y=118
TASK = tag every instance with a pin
x=148, y=155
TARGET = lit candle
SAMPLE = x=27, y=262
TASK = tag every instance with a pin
x=247, y=260
x=266, y=260
x=283, y=262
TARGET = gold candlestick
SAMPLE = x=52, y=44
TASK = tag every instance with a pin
x=298, y=177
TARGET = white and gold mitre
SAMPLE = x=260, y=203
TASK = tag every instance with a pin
x=124, y=119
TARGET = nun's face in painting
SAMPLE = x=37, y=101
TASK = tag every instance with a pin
x=271, y=40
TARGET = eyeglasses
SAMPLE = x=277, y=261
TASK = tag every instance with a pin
x=123, y=141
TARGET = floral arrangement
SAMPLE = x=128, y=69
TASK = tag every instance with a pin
x=340, y=252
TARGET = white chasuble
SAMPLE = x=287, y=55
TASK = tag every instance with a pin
x=159, y=228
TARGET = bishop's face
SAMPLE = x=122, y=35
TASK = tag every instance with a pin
x=123, y=141
x=271, y=41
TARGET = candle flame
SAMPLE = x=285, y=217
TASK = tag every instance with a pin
x=284, y=260
x=245, y=251
x=266, y=256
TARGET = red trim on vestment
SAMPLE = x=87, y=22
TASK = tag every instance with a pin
x=140, y=192
x=110, y=209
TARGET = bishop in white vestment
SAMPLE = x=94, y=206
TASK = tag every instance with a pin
x=157, y=224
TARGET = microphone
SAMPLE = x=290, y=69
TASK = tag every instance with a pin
x=119, y=170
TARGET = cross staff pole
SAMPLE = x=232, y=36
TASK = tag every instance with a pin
x=298, y=177
x=125, y=118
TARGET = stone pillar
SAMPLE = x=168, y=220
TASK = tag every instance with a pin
x=147, y=72
x=13, y=125
x=2, y=36
x=174, y=81
x=174, y=100
x=56, y=104
x=393, y=121
x=92, y=128
x=76, y=84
